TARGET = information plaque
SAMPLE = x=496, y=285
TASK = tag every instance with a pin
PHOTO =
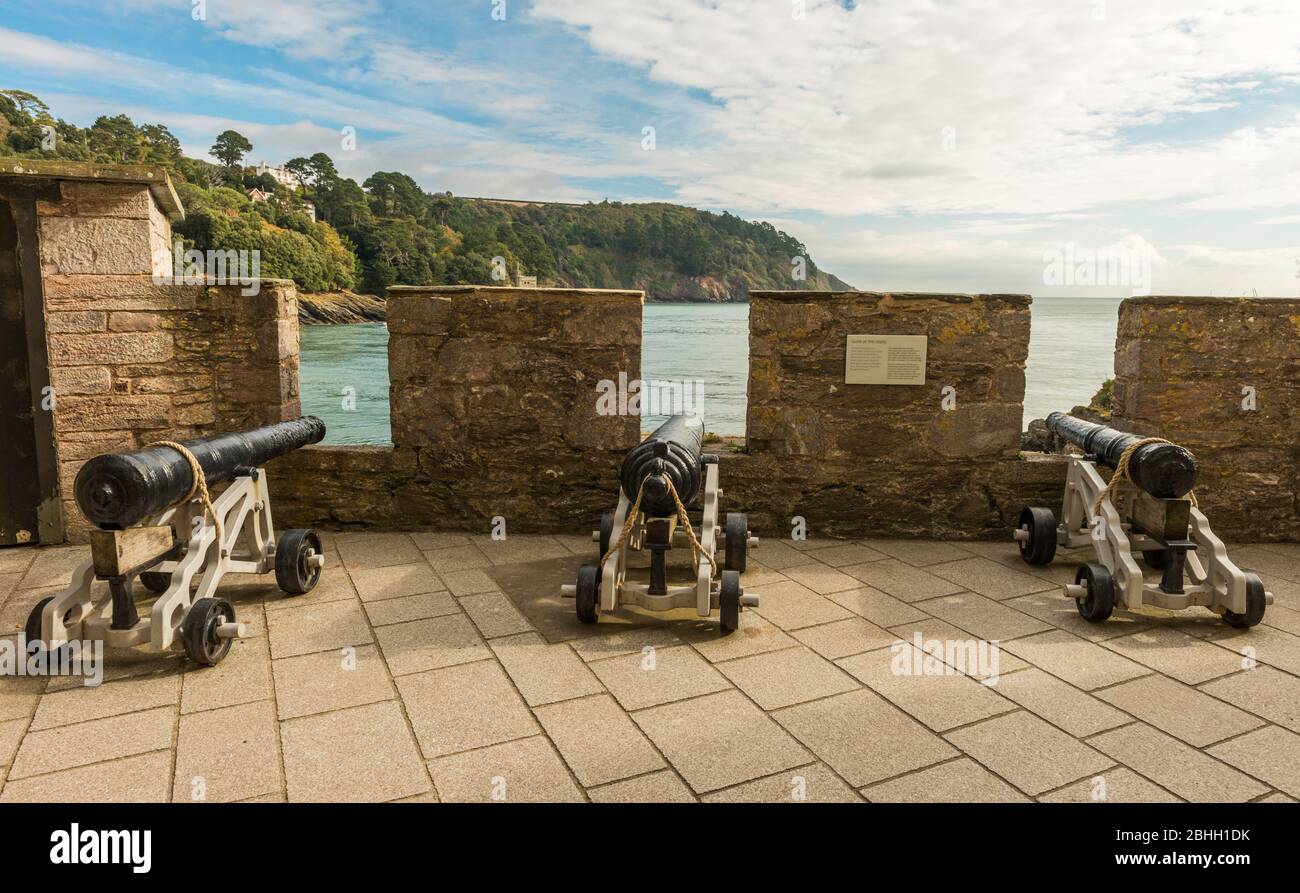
x=885, y=359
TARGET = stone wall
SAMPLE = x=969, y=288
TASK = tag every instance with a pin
x=494, y=413
x=133, y=358
x=888, y=459
x=1181, y=367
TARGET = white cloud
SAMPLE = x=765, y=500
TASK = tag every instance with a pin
x=845, y=112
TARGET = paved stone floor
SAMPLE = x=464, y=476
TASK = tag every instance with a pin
x=445, y=667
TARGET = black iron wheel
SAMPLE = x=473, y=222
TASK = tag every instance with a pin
x=295, y=572
x=736, y=541
x=199, y=630
x=1039, y=544
x=606, y=533
x=1254, y=605
x=588, y=594
x=729, y=601
x=155, y=581
x=1098, y=604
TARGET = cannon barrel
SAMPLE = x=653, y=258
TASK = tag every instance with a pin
x=674, y=449
x=1165, y=470
x=117, y=490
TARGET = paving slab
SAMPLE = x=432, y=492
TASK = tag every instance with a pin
x=330, y=680
x=957, y=781
x=790, y=676
x=937, y=636
x=65, y=747
x=67, y=706
x=863, y=737
x=1180, y=710
x=903, y=581
x=982, y=616
x=699, y=738
x=1118, y=784
x=939, y=696
x=428, y=644
x=667, y=674
x=1028, y=752
x=244, y=676
x=1055, y=609
x=1263, y=691
x=820, y=578
x=918, y=553
x=457, y=558
x=462, y=707
x=1177, y=767
x=803, y=784
x=1270, y=754
x=145, y=778
x=791, y=606
x=656, y=787
x=227, y=754
x=544, y=673
x=847, y=553
x=989, y=578
x=411, y=607
x=394, y=581
x=1079, y=662
x=494, y=614
x=877, y=607
x=366, y=550
x=1060, y=703
x=843, y=638
x=523, y=771
x=354, y=755
x=598, y=740
x=1176, y=654
x=755, y=635
x=326, y=626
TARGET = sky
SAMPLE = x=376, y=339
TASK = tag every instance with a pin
x=1050, y=147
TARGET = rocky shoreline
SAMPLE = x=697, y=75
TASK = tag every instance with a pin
x=340, y=307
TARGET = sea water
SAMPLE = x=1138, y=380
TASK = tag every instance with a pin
x=344, y=368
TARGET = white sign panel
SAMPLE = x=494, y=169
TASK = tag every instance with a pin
x=885, y=359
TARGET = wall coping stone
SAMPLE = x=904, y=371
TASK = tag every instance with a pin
x=952, y=298
x=152, y=175
x=1226, y=300
x=503, y=290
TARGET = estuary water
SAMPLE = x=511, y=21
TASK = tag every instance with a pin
x=344, y=368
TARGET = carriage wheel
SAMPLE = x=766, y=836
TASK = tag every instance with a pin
x=729, y=601
x=1039, y=544
x=199, y=630
x=1100, y=601
x=588, y=594
x=1255, y=604
x=736, y=540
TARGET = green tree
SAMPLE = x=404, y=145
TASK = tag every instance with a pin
x=230, y=148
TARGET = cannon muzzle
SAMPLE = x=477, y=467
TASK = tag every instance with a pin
x=117, y=490
x=1165, y=470
x=674, y=452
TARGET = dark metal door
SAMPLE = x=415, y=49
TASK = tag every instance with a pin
x=20, y=471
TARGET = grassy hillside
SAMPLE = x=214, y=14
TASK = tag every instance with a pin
x=388, y=231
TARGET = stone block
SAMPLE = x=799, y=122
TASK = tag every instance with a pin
x=95, y=246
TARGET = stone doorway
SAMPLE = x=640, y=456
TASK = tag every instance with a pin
x=26, y=450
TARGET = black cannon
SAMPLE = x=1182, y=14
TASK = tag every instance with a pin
x=1155, y=518
x=1162, y=469
x=675, y=451
x=157, y=522
x=120, y=489
x=660, y=479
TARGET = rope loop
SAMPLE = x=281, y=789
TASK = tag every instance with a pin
x=199, y=485
x=681, y=515
x=1122, y=473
